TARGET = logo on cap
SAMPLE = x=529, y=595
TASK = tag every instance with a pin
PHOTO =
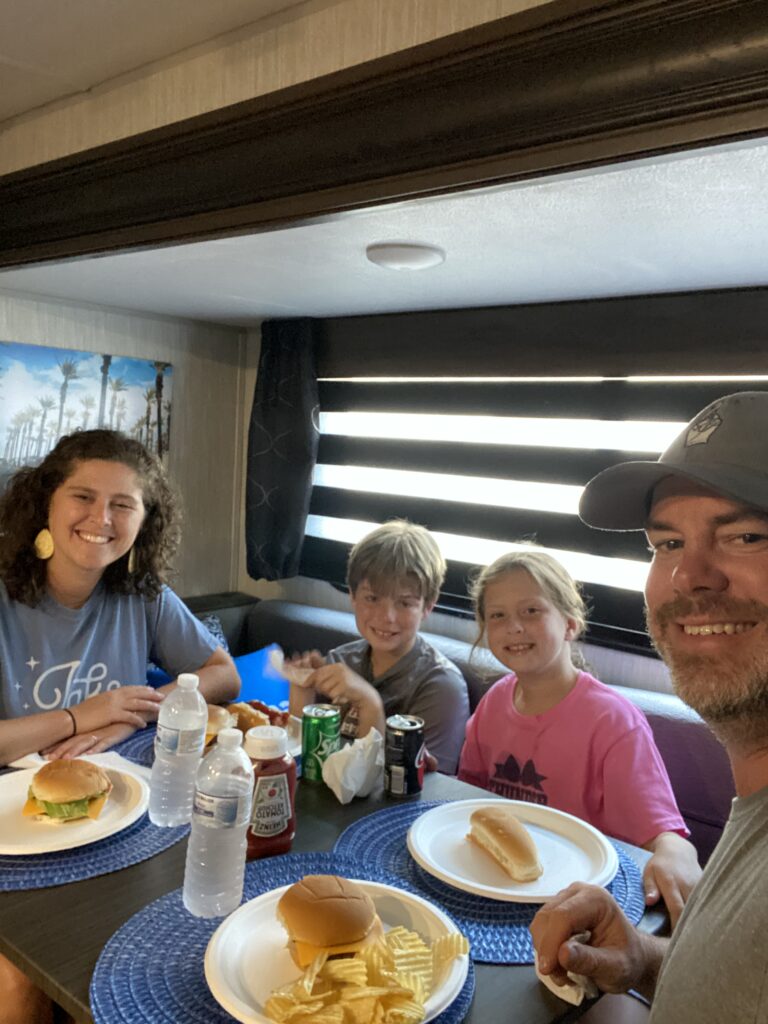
x=704, y=427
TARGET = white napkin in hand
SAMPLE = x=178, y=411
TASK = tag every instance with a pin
x=293, y=673
x=577, y=988
x=355, y=769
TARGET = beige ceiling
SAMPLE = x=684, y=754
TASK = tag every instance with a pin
x=52, y=49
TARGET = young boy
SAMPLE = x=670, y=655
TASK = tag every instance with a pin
x=394, y=576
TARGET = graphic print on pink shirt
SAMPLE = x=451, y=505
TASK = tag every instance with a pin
x=514, y=783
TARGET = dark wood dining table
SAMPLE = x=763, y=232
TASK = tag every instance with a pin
x=55, y=935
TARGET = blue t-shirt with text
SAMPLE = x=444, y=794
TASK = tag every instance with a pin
x=53, y=657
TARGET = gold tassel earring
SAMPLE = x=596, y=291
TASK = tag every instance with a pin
x=132, y=562
x=44, y=544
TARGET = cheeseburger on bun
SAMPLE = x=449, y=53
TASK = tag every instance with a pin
x=67, y=790
x=327, y=914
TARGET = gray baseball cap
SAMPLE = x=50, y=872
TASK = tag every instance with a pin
x=724, y=447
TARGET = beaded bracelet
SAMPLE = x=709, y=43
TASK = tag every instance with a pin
x=74, y=721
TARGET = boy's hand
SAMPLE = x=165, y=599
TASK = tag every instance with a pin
x=308, y=659
x=343, y=686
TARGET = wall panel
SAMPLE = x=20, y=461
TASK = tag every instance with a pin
x=302, y=43
x=206, y=438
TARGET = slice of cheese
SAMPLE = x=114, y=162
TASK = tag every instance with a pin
x=32, y=807
x=95, y=807
x=306, y=952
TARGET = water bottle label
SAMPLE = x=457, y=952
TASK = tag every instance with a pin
x=271, y=810
x=179, y=741
x=221, y=811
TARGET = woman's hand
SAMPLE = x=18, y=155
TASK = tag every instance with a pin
x=89, y=743
x=129, y=705
x=671, y=873
x=618, y=956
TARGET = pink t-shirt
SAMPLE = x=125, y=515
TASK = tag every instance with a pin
x=592, y=755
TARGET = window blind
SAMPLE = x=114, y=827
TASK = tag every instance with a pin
x=488, y=463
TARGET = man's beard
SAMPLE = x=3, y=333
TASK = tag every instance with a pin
x=729, y=692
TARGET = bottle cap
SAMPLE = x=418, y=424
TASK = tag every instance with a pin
x=187, y=681
x=229, y=739
x=264, y=742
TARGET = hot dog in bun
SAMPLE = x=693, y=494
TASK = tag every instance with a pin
x=66, y=790
x=327, y=914
x=496, y=829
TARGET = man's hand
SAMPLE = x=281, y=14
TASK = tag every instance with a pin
x=617, y=958
x=671, y=873
x=89, y=743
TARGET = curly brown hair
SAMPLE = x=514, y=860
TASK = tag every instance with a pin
x=24, y=512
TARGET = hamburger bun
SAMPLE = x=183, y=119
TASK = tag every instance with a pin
x=65, y=790
x=327, y=914
x=497, y=831
x=63, y=781
x=247, y=717
x=218, y=718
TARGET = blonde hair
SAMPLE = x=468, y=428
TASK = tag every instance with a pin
x=558, y=586
x=396, y=552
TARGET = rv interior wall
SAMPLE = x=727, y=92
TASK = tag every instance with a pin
x=206, y=435
x=304, y=42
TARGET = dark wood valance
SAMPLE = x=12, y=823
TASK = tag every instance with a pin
x=567, y=84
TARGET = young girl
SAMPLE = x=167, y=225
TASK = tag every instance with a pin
x=550, y=733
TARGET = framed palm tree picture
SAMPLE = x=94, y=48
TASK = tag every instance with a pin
x=48, y=392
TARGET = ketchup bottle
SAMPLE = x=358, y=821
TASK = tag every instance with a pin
x=273, y=817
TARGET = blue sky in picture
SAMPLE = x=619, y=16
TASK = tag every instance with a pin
x=47, y=392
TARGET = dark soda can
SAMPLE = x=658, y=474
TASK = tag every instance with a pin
x=320, y=737
x=404, y=755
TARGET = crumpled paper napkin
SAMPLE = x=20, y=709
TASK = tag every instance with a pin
x=355, y=769
x=577, y=988
x=292, y=673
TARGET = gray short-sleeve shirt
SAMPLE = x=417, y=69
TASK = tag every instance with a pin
x=424, y=683
x=716, y=967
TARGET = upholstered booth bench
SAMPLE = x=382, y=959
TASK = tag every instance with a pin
x=697, y=764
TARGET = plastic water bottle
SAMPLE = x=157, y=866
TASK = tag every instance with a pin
x=213, y=875
x=178, y=748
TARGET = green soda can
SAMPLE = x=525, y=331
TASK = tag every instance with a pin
x=320, y=737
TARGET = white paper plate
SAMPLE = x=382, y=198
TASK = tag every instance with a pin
x=247, y=957
x=570, y=850
x=20, y=836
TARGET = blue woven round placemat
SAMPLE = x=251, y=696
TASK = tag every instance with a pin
x=138, y=842
x=139, y=748
x=151, y=970
x=497, y=931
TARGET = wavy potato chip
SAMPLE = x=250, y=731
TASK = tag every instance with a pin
x=388, y=982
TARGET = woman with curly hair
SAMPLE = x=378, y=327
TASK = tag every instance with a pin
x=86, y=539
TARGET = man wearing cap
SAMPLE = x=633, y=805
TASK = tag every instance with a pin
x=704, y=507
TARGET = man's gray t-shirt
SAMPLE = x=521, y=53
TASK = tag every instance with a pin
x=53, y=657
x=424, y=683
x=716, y=967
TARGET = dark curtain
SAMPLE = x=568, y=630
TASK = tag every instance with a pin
x=282, y=448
